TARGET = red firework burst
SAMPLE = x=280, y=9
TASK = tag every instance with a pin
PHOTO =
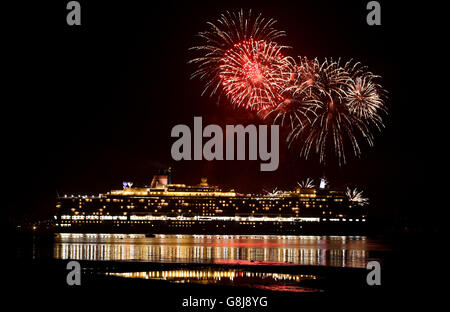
x=238, y=58
x=328, y=105
x=253, y=74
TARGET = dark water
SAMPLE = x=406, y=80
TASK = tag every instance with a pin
x=336, y=251
x=181, y=265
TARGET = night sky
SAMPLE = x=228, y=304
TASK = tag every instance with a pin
x=94, y=105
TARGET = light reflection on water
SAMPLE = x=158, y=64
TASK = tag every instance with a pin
x=267, y=281
x=339, y=251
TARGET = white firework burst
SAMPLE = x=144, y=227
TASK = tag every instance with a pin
x=307, y=184
x=356, y=197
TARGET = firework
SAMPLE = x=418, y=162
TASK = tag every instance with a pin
x=274, y=192
x=364, y=96
x=330, y=107
x=334, y=122
x=253, y=74
x=240, y=59
x=295, y=105
x=306, y=184
x=356, y=197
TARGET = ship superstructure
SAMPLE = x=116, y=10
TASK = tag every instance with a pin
x=204, y=209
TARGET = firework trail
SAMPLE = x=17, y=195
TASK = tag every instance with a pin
x=307, y=184
x=364, y=96
x=296, y=106
x=240, y=59
x=334, y=119
x=253, y=74
x=356, y=197
x=274, y=192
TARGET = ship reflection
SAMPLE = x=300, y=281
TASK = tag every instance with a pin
x=339, y=251
x=267, y=281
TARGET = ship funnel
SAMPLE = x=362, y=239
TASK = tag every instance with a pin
x=159, y=181
x=203, y=182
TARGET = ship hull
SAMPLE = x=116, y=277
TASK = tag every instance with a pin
x=222, y=228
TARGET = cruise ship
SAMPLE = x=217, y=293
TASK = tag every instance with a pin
x=166, y=208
